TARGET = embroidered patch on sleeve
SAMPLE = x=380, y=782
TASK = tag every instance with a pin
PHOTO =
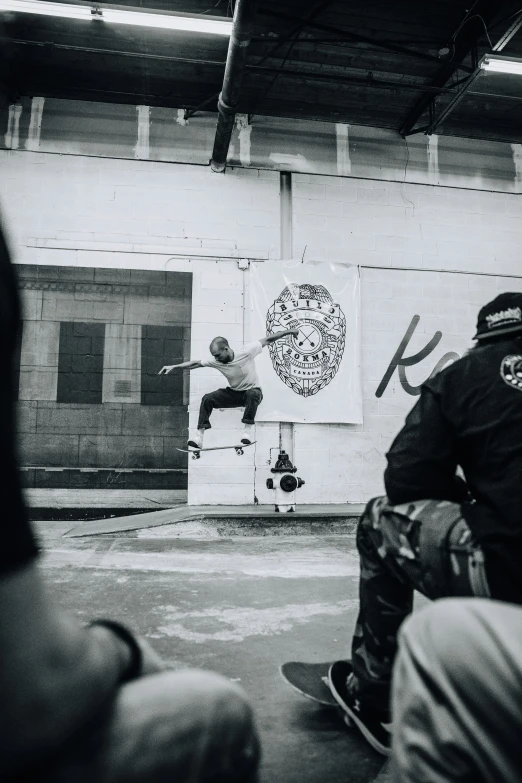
x=511, y=371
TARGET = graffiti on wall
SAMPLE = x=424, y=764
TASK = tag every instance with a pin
x=400, y=362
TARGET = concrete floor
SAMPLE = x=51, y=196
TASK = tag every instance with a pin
x=240, y=606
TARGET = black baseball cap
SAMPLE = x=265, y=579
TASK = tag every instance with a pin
x=501, y=316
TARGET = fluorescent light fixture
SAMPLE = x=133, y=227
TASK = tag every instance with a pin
x=46, y=9
x=115, y=15
x=501, y=65
x=167, y=22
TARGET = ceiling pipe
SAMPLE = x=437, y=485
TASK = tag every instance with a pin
x=228, y=101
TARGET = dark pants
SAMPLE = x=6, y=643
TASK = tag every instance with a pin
x=425, y=546
x=229, y=398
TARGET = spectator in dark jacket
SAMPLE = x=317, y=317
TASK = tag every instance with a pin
x=434, y=532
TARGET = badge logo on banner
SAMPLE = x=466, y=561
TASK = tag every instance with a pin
x=311, y=362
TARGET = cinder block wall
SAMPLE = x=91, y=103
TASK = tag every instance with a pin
x=426, y=251
x=93, y=411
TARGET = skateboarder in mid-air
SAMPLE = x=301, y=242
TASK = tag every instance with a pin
x=243, y=390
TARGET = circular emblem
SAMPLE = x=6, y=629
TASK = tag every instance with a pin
x=306, y=363
x=511, y=371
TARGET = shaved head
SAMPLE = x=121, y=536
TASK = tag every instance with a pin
x=221, y=350
x=217, y=343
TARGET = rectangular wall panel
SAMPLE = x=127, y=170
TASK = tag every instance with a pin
x=122, y=363
x=39, y=360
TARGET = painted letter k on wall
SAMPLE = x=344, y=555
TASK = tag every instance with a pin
x=400, y=361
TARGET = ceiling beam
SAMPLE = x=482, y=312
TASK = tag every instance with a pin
x=49, y=46
x=369, y=80
x=283, y=39
x=512, y=30
x=463, y=40
x=339, y=78
x=366, y=79
x=349, y=36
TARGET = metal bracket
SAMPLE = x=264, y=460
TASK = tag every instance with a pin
x=501, y=43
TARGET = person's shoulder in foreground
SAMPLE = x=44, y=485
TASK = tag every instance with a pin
x=18, y=542
x=65, y=711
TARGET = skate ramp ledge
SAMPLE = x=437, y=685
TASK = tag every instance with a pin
x=233, y=516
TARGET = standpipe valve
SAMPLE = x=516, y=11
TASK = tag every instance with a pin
x=284, y=483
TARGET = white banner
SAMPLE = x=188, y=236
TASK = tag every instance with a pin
x=316, y=376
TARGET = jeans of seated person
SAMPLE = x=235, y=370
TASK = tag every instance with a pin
x=457, y=694
x=426, y=546
x=187, y=726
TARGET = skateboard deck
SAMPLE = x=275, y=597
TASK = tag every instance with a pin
x=310, y=680
x=238, y=447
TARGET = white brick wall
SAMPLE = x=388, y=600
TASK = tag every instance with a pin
x=133, y=201
x=408, y=230
x=136, y=207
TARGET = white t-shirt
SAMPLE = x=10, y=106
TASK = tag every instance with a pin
x=241, y=372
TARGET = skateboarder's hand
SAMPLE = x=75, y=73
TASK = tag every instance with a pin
x=166, y=369
x=295, y=332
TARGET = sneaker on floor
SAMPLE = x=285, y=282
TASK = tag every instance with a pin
x=369, y=721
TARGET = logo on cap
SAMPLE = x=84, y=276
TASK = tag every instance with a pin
x=511, y=315
x=310, y=361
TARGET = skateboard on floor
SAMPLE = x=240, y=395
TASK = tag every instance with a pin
x=310, y=680
x=196, y=453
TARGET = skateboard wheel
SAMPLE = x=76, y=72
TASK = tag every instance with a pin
x=239, y=451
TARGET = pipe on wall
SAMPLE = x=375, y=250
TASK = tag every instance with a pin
x=228, y=101
x=286, y=429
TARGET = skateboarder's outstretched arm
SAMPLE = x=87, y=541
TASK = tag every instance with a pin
x=271, y=338
x=193, y=364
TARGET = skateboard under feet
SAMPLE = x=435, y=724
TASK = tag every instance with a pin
x=239, y=449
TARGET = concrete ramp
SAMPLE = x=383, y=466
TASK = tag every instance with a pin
x=133, y=522
x=307, y=519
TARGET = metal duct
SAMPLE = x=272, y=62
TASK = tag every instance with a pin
x=229, y=96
